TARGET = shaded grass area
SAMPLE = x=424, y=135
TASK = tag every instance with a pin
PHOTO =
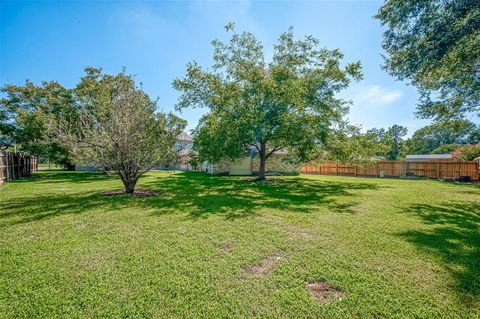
x=392, y=248
x=454, y=240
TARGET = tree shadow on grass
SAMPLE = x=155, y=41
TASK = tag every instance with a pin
x=48, y=177
x=454, y=240
x=467, y=188
x=203, y=195
x=198, y=194
x=31, y=209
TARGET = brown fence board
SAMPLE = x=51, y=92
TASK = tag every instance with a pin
x=14, y=166
x=429, y=169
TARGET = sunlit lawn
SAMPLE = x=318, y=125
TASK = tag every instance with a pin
x=214, y=247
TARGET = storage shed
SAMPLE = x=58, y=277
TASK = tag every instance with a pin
x=429, y=157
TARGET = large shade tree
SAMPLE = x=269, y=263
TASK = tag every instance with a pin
x=436, y=45
x=25, y=111
x=118, y=127
x=289, y=103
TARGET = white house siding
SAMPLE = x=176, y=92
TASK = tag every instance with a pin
x=276, y=164
x=241, y=167
x=249, y=166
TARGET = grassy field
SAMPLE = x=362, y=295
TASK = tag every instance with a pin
x=210, y=247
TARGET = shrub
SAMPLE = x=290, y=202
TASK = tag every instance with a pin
x=468, y=152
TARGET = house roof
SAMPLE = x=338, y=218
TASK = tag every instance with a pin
x=4, y=143
x=185, y=152
x=184, y=137
x=429, y=157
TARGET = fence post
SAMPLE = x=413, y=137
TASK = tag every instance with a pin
x=5, y=162
x=14, y=166
x=438, y=169
x=477, y=161
x=9, y=166
x=2, y=164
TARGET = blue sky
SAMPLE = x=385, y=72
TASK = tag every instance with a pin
x=55, y=40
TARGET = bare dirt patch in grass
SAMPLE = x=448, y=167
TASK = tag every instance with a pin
x=92, y=262
x=137, y=193
x=226, y=248
x=324, y=292
x=299, y=233
x=265, y=267
x=270, y=219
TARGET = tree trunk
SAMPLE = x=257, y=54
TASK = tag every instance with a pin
x=129, y=184
x=262, y=155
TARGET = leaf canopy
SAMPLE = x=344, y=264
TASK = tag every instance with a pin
x=289, y=103
x=436, y=45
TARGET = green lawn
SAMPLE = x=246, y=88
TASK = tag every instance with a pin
x=210, y=247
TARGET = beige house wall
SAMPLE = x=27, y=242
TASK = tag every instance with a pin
x=250, y=166
x=241, y=167
x=221, y=168
x=276, y=164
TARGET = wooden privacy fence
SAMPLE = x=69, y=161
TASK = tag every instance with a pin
x=430, y=169
x=14, y=166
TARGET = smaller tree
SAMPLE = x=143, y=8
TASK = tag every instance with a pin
x=118, y=129
x=467, y=152
x=391, y=140
x=347, y=145
x=394, y=137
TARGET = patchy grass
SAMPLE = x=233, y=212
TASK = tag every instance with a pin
x=323, y=291
x=209, y=247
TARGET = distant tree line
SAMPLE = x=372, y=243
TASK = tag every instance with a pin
x=436, y=138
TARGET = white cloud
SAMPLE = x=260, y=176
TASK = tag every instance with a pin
x=376, y=95
x=142, y=23
x=376, y=106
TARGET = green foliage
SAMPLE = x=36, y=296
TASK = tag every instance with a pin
x=391, y=143
x=118, y=128
x=430, y=137
x=468, y=152
x=394, y=137
x=288, y=103
x=25, y=112
x=348, y=145
x=6, y=127
x=446, y=149
x=436, y=45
